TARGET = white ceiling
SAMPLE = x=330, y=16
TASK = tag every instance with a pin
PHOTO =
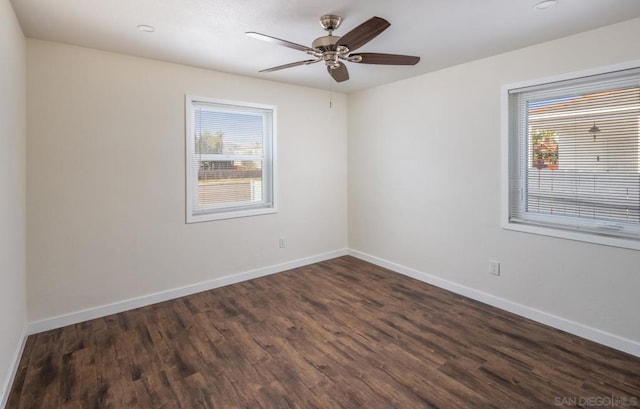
x=210, y=33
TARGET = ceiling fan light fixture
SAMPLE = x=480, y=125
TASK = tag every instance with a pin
x=331, y=59
x=545, y=4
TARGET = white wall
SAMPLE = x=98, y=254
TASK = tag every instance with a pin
x=105, y=194
x=13, y=306
x=424, y=186
x=106, y=188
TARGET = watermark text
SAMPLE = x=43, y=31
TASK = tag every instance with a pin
x=597, y=401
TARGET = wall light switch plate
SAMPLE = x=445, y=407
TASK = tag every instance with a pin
x=494, y=267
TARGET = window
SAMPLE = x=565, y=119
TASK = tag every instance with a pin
x=230, y=156
x=573, y=157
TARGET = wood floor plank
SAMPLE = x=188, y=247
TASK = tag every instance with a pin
x=337, y=334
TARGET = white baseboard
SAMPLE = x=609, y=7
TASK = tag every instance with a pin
x=6, y=387
x=125, y=305
x=601, y=337
x=592, y=334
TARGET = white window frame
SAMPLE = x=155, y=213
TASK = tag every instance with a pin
x=269, y=170
x=607, y=237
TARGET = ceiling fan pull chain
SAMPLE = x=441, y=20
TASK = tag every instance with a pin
x=330, y=93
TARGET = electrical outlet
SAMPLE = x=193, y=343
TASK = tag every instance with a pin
x=281, y=243
x=494, y=267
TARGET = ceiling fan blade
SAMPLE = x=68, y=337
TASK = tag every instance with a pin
x=293, y=64
x=386, y=59
x=340, y=73
x=364, y=33
x=278, y=41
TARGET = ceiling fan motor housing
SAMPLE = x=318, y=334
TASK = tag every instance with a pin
x=325, y=43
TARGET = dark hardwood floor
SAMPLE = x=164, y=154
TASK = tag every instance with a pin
x=337, y=334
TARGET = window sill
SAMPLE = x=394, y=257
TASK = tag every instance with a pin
x=206, y=217
x=572, y=235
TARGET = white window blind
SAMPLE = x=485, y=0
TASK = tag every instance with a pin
x=574, y=154
x=230, y=159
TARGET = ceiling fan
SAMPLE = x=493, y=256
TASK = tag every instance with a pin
x=333, y=50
